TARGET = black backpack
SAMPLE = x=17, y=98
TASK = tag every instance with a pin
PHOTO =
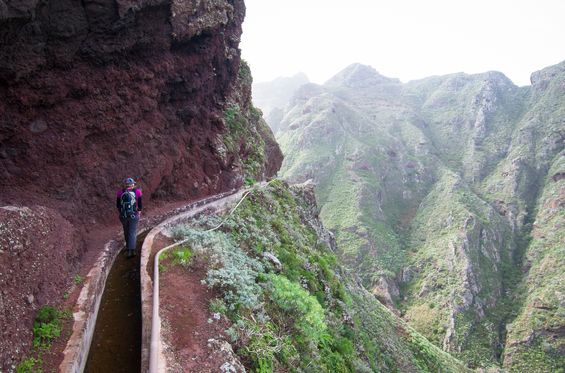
x=127, y=204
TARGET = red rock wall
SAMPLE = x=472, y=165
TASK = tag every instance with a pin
x=95, y=91
x=92, y=92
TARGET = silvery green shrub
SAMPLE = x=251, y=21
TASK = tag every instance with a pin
x=230, y=268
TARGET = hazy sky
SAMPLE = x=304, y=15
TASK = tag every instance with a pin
x=405, y=39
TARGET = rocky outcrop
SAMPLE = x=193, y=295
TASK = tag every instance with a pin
x=116, y=89
x=248, y=134
x=92, y=92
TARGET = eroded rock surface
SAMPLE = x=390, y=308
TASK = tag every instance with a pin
x=95, y=91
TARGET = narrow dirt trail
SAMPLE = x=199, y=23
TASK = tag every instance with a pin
x=188, y=324
x=197, y=341
x=103, y=246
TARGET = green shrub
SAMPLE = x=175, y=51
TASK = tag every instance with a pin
x=344, y=346
x=334, y=362
x=249, y=181
x=182, y=256
x=263, y=343
x=29, y=365
x=47, y=326
x=304, y=308
x=181, y=231
x=244, y=71
x=231, y=270
x=218, y=305
x=231, y=116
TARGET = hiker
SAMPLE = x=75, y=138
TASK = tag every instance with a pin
x=128, y=202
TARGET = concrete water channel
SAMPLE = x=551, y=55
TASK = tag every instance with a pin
x=116, y=343
x=115, y=327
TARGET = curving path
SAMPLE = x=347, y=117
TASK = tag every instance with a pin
x=86, y=308
x=157, y=362
x=152, y=357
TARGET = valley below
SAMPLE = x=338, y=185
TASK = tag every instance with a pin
x=445, y=195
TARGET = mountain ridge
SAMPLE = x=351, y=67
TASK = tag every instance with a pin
x=378, y=151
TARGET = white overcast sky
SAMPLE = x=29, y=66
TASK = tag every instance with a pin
x=405, y=39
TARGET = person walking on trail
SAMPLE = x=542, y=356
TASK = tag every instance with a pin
x=128, y=202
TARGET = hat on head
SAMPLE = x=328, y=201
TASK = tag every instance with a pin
x=129, y=180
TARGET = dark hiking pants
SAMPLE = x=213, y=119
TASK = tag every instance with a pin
x=130, y=231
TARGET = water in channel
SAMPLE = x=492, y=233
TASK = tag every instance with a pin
x=116, y=344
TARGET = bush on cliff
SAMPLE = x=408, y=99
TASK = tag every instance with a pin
x=284, y=293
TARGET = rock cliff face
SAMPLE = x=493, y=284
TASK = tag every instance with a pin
x=115, y=89
x=533, y=193
x=94, y=91
x=431, y=188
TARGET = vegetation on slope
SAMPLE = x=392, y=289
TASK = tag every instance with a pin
x=525, y=190
x=367, y=178
x=469, y=118
x=47, y=327
x=535, y=337
x=458, y=272
x=247, y=133
x=431, y=189
x=292, y=306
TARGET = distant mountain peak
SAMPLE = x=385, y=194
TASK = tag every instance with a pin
x=358, y=76
x=541, y=79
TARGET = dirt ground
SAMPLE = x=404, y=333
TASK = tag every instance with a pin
x=95, y=241
x=179, y=305
x=38, y=258
x=194, y=337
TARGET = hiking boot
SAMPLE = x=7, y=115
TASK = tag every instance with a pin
x=131, y=253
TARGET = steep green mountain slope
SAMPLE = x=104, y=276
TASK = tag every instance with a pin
x=456, y=271
x=535, y=338
x=535, y=166
x=431, y=188
x=293, y=308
